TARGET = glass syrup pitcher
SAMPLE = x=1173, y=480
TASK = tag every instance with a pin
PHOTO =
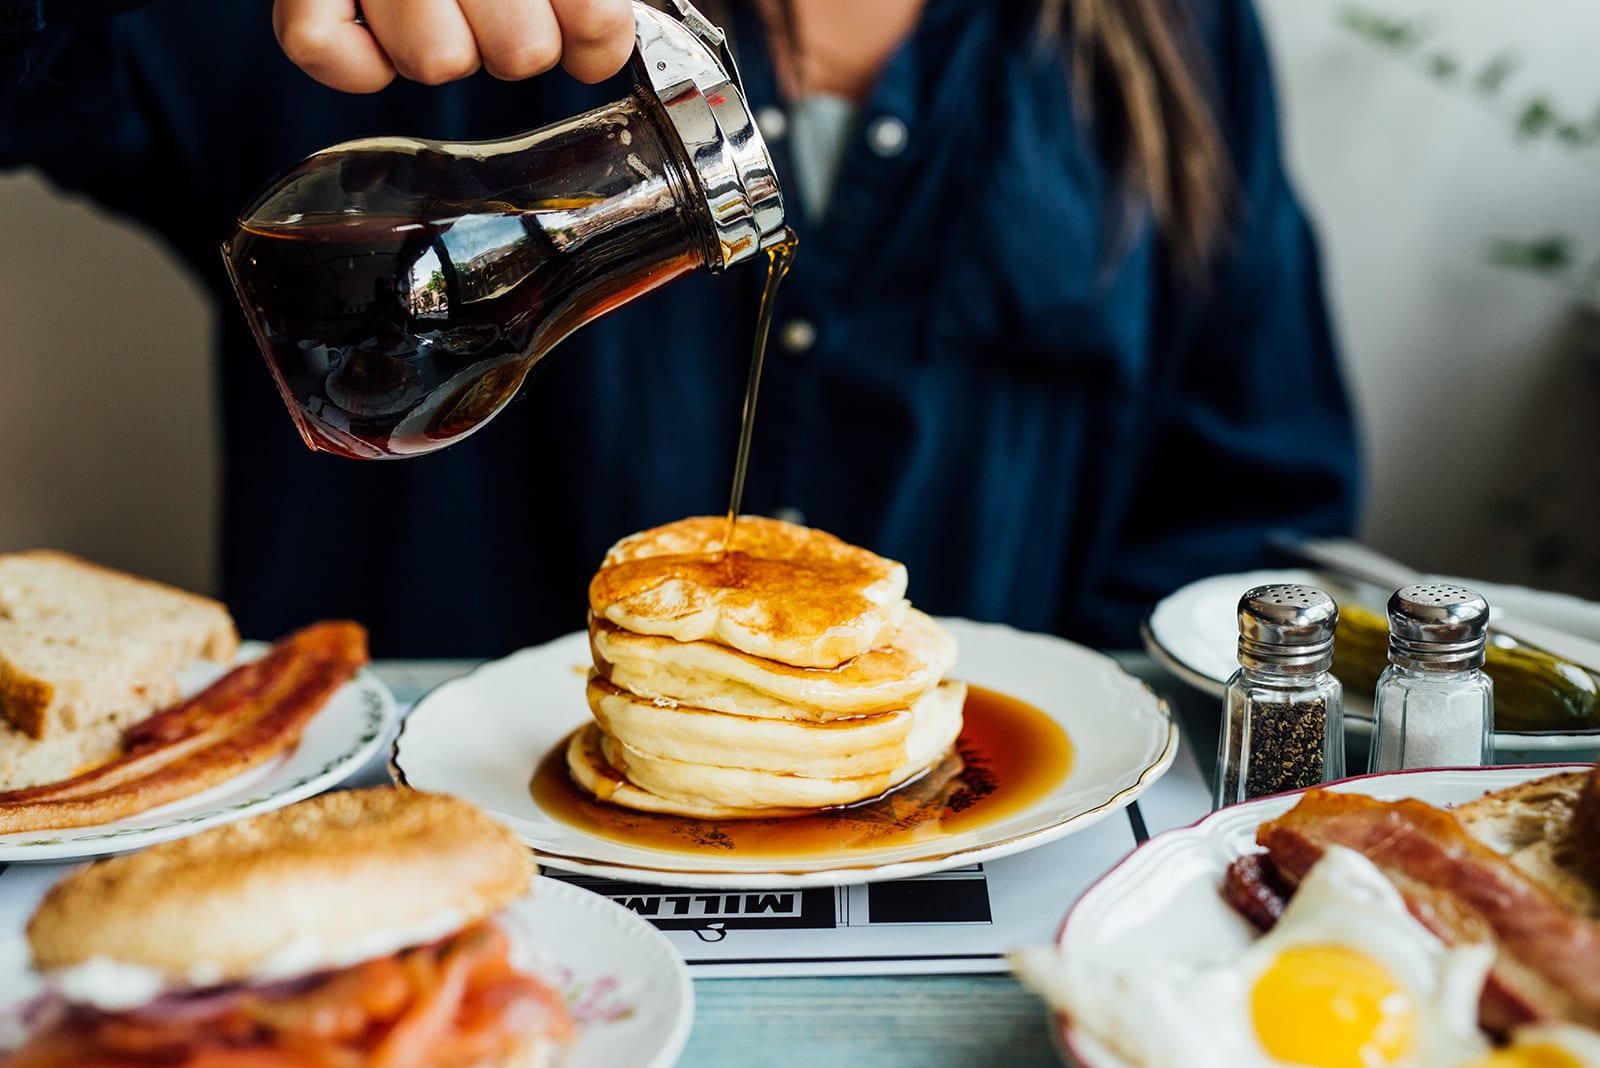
x=401, y=289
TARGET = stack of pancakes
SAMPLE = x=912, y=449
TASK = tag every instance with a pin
x=787, y=674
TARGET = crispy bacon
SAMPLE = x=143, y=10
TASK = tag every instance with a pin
x=1547, y=961
x=453, y=1004
x=1253, y=887
x=248, y=716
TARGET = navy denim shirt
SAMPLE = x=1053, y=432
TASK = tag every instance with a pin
x=1024, y=407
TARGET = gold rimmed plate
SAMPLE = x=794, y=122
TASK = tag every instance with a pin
x=482, y=737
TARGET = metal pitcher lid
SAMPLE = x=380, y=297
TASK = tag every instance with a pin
x=681, y=59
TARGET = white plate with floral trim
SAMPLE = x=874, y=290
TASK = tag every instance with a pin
x=626, y=986
x=481, y=736
x=354, y=725
x=1163, y=902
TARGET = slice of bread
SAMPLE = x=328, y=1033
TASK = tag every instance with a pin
x=344, y=877
x=1532, y=824
x=26, y=761
x=82, y=646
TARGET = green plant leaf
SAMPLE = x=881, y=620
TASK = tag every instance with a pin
x=1536, y=116
x=1492, y=78
x=1550, y=254
x=1400, y=34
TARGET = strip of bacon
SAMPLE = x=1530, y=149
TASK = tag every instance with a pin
x=1547, y=962
x=248, y=716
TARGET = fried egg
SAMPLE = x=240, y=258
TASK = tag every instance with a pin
x=1347, y=978
x=1553, y=1045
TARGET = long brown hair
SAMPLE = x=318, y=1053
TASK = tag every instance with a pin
x=1137, y=63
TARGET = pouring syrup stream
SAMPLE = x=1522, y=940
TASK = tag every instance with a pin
x=779, y=258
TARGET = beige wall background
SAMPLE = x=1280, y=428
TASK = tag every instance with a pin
x=107, y=418
x=1477, y=385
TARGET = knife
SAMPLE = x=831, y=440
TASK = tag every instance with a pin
x=1352, y=560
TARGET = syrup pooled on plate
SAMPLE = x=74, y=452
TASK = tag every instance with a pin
x=1008, y=756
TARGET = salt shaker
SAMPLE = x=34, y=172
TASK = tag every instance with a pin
x=1434, y=705
x=1283, y=720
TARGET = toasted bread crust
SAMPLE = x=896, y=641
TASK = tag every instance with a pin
x=322, y=879
x=83, y=644
x=1532, y=823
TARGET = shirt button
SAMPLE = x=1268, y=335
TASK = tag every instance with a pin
x=790, y=514
x=798, y=335
x=887, y=136
x=772, y=123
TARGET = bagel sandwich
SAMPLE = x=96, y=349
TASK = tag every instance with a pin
x=359, y=927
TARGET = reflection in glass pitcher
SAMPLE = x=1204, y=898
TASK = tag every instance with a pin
x=402, y=289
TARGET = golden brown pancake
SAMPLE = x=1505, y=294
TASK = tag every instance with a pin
x=783, y=675
x=782, y=592
x=838, y=748
x=712, y=676
x=656, y=783
x=589, y=769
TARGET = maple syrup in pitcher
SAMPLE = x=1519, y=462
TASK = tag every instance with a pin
x=402, y=289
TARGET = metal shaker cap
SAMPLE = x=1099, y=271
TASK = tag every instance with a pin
x=685, y=62
x=1287, y=628
x=1437, y=626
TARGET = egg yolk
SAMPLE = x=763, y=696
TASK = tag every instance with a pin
x=1328, y=1006
x=1532, y=1055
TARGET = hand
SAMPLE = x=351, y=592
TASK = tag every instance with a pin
x=438, y=41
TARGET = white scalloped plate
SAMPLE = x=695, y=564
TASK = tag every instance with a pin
x=1163, y=902
x=481, y=736
x=350, y=730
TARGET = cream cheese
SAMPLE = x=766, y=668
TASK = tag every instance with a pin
x=113, y=985
x=107, y=984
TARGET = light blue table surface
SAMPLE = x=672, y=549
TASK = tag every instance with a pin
x=927, y=1021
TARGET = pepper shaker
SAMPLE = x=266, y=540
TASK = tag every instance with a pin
x=1283, y=719
x=1434, y=705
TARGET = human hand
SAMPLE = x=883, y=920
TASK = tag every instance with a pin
x=438, y=41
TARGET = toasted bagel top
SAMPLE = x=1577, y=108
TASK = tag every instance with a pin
x=324, y=883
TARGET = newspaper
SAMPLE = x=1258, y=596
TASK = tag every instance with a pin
x=961, y=920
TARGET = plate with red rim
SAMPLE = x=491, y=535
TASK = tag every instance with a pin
x=481, y=736
x=351, y=728
x=1163, y=902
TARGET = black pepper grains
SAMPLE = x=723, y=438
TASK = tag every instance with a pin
x=1283, y=716
x=1285, y=748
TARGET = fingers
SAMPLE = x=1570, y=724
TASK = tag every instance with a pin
x=438, y=41
x=516, y=38
x=322, y=38
x=596, y=36
x=428, y=41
